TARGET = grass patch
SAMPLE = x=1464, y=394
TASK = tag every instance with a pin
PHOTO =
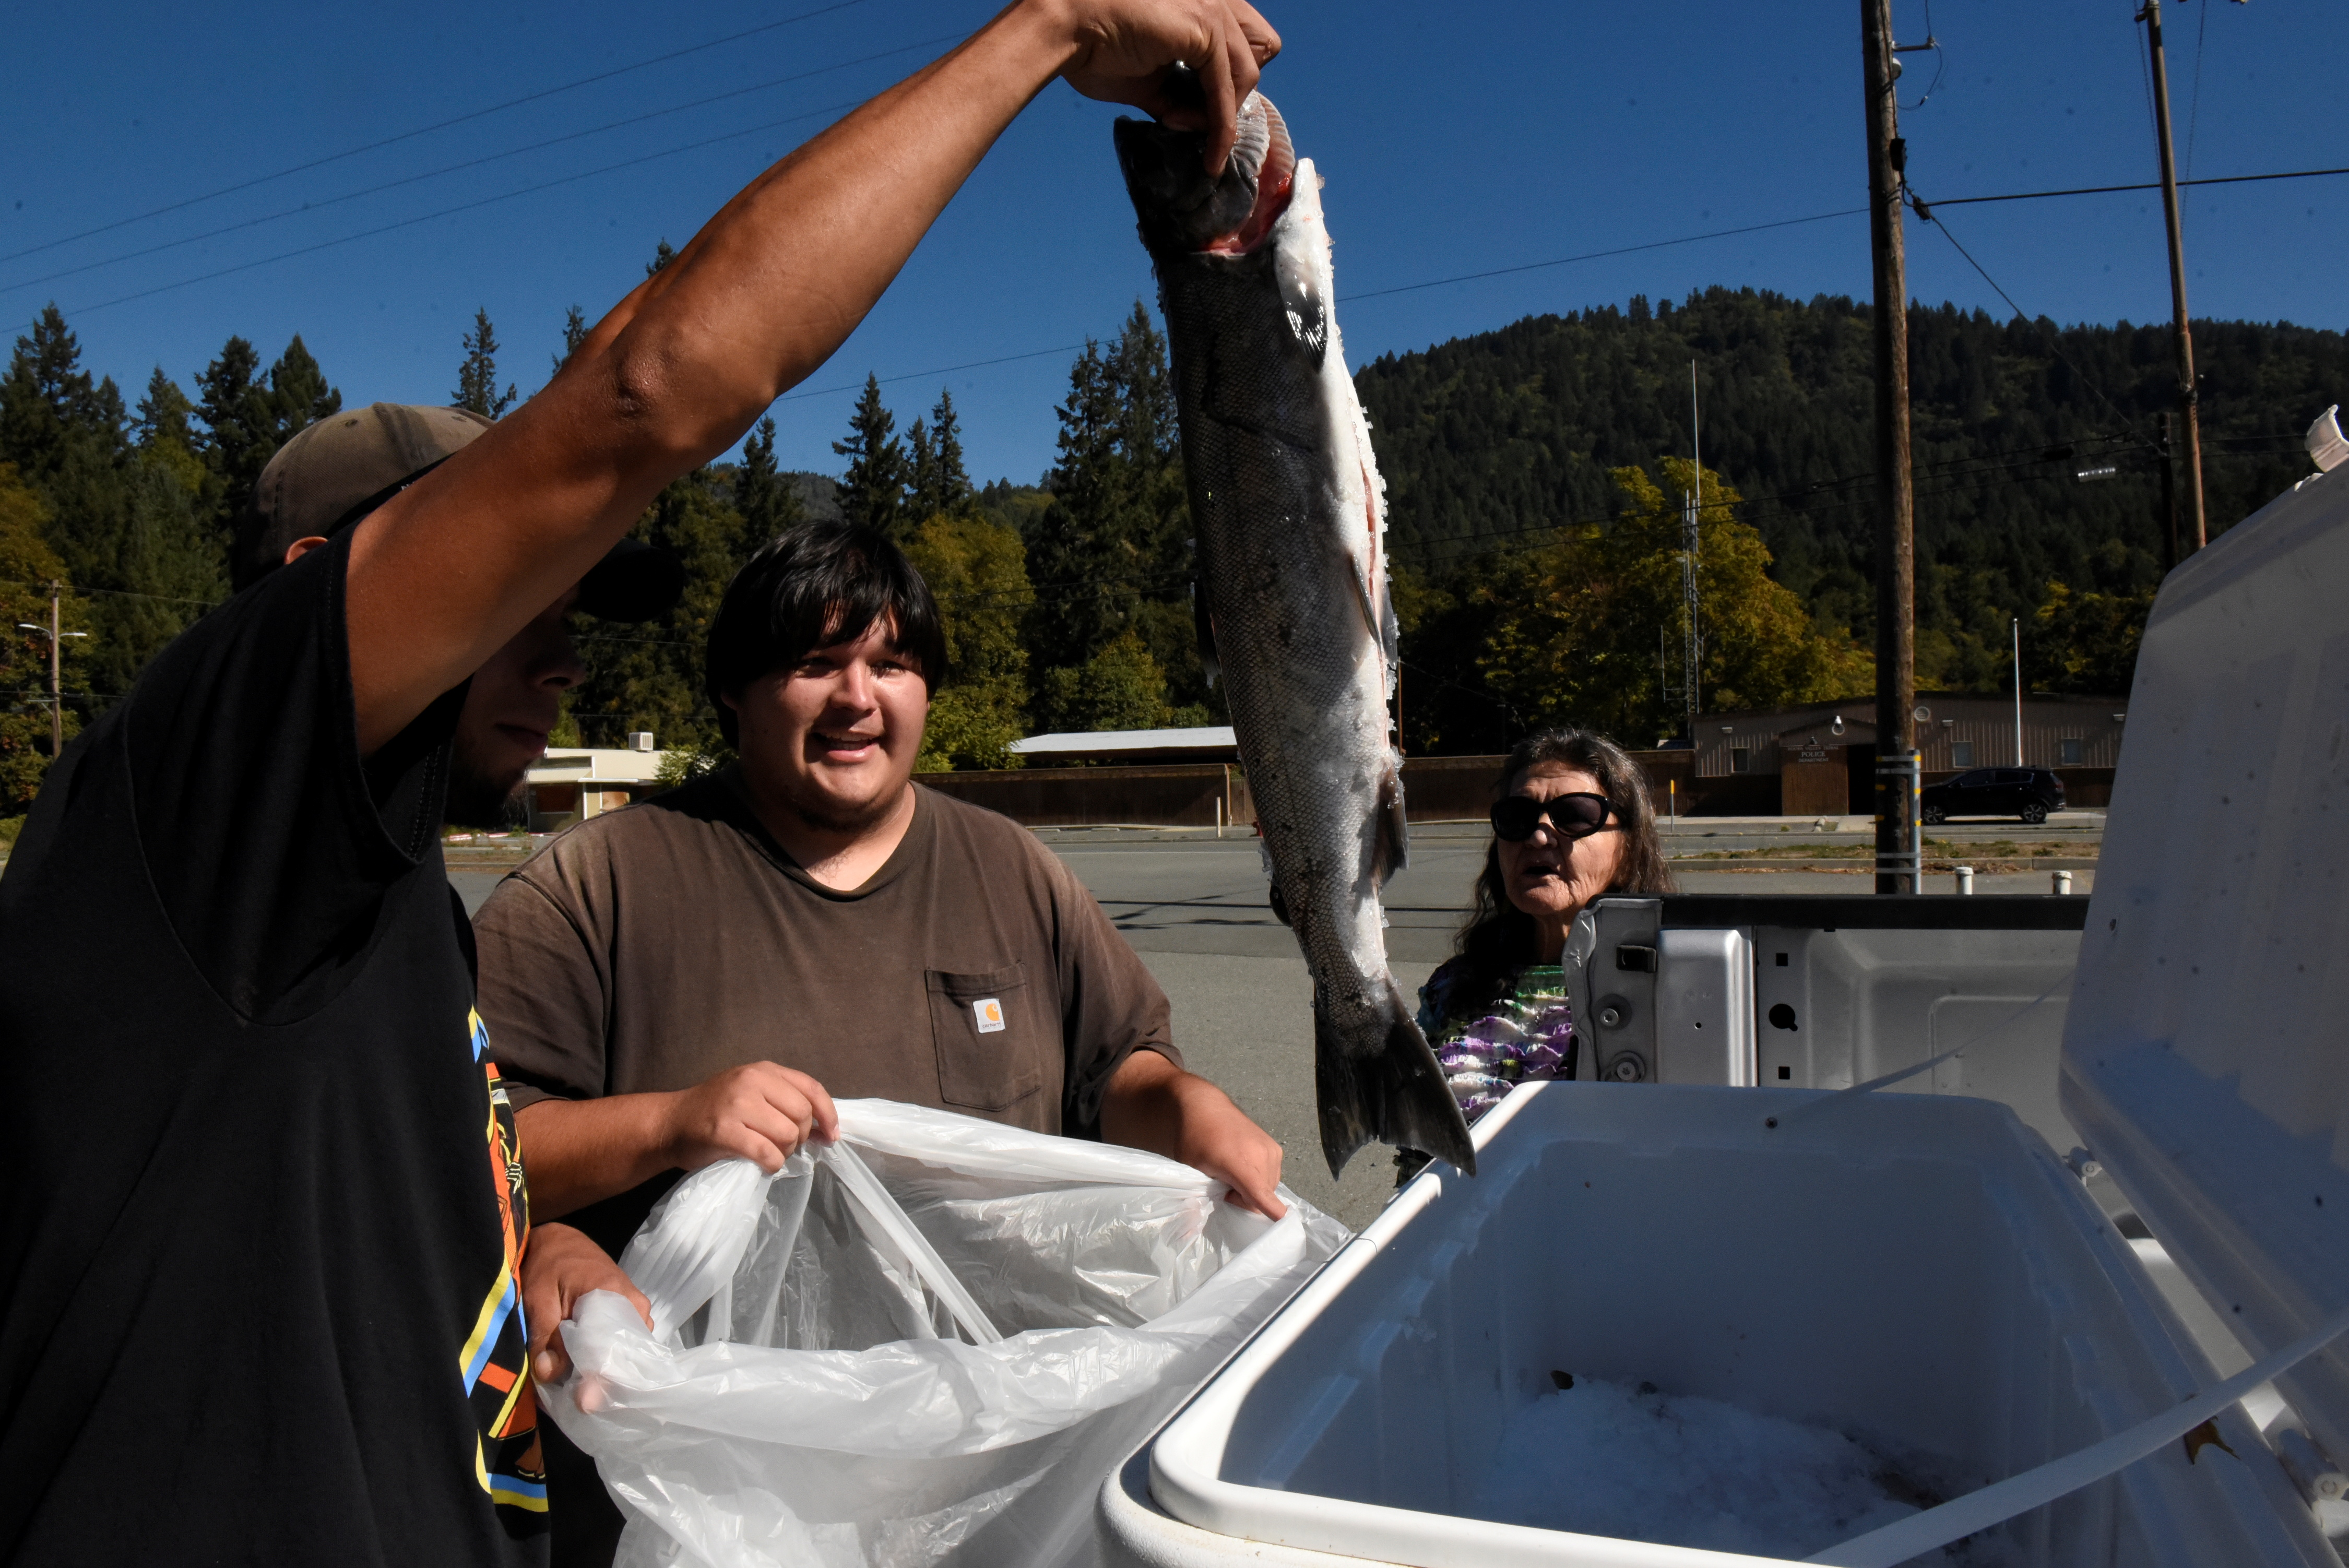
x=1786, y=853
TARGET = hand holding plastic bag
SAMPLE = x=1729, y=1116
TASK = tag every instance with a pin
x=925, y=1343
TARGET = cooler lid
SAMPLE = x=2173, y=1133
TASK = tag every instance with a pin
x=2206, y=1053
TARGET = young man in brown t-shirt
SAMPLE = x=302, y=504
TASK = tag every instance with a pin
x=692, y=978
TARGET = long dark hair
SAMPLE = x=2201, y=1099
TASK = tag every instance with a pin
x=1497, y=938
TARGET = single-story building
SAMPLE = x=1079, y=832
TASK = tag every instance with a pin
x=1822, y=757
x=1129, y=748
x=573, y=783
x=1953, y=733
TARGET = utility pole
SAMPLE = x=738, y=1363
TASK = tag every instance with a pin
x=1897, y=863
x=56, y=635
x=57, y=694
x=2187, y=399
x=2018, y=691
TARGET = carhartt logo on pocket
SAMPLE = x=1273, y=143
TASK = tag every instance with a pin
x=990, y=1012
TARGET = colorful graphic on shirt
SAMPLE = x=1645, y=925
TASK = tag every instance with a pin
x=495, y=1359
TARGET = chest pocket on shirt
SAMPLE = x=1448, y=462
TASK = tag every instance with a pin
x=990, y=1040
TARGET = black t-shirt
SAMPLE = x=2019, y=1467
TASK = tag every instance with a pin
x=261, y=1208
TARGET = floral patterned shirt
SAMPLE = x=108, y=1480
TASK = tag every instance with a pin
x=1485, y=1052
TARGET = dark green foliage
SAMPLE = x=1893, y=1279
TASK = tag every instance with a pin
x=246, y=417
x=767, y=500
x=132, y=526
x=648, y=676
x=663, y=254
x=477, y=375
x=575, y=333
x=1110, y=557
x=939, y=486
x=873, y=491
x=1487, y=441
x=163, y=414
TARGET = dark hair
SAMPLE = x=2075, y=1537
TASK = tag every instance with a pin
x=1497, y=938
x=814, y=586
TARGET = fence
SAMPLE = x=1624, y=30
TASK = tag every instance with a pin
x=1435, y=789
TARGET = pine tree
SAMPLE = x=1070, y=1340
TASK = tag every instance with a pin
x=298, y=393
x=163, y=414
x=762, y=494
x=575, y=333
x=662, y=256
x=51, y=415
x=238, y=428
x=873, y=491
x=941, y=487
x=477, y=375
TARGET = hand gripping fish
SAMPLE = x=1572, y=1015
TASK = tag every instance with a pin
x=1291, y=517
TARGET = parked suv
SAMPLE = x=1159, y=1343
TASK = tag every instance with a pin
x=2029, y=793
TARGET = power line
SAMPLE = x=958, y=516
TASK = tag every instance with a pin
x=1598, y=255
x=438, y=125
x=2154, y=185
x=460, y=207
x=324, y=202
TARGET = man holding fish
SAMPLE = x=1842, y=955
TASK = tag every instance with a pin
x=263, y=1278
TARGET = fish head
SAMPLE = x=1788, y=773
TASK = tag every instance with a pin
x=1185, y=210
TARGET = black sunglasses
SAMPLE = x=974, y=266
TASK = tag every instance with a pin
x=1515, y=816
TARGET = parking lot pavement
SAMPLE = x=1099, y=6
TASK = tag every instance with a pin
x=1196, y=910
x=1246, y=1024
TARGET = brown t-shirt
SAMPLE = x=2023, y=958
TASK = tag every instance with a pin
x=651, y=948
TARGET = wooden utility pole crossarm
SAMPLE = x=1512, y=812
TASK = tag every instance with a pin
x=1896, y=865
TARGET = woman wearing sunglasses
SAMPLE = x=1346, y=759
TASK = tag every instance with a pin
x=1571, y=821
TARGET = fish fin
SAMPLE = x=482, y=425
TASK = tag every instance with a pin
x=1382, y=1084
x=1206, y=628
x=1301, y=300
x=1391, y=849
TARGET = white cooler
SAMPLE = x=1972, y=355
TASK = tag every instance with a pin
x=1924, y=1271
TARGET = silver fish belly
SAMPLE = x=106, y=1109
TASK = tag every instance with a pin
x=1289, y=515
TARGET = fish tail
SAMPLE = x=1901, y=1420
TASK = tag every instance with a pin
x=1379, y=1082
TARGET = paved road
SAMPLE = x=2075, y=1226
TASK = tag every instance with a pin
x=1194, y=908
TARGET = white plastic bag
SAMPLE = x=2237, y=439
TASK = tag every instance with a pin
x=926, y=1343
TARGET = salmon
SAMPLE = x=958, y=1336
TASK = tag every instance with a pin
x=1295, y=613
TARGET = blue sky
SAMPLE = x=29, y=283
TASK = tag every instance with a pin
x=1453, y=139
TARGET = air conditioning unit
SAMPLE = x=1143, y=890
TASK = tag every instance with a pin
x=640, y=740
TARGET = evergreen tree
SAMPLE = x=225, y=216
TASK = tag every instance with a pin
x=298, y=393
x=163, y=414
x=477, y=375
x=1111, y=555
x=575, y=333
x=239, y=429
x=940, y=486
x=27, y=565
x=648, y=677
x=662, y=256
x=873, y=491
x=767, y=500
x=52, y=417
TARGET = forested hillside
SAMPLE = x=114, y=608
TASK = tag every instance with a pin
x=1537, y=478
x=1513, y=440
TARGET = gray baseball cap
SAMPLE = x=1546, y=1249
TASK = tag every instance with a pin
x=334, y=472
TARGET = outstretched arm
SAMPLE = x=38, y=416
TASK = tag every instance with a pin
x=444, y=573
